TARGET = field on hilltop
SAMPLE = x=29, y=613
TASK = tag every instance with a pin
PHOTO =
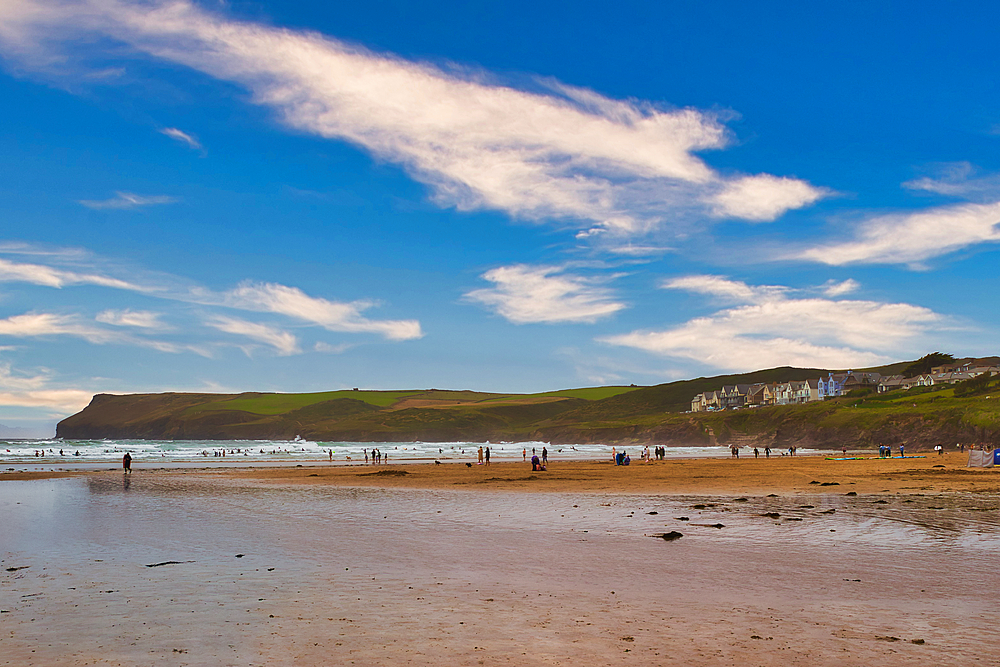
x=655, y=414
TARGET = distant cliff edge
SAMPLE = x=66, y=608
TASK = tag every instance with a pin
x=920, y=417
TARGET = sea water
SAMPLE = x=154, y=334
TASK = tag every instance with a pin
x=89, y=453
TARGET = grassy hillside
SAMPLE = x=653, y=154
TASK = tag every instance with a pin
x=921, y=417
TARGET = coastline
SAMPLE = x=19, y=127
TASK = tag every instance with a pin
x=681, y=476
x=277, y=567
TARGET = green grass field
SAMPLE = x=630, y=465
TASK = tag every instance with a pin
x=277, y=404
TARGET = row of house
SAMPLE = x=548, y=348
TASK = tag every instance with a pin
x=935, y=377
x=736, y=396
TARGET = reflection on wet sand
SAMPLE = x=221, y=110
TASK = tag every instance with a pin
x=199, y=570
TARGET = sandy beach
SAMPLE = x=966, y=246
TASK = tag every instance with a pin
x=746, y=475
x=778, y=563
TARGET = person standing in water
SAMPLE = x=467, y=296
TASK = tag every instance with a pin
x=127, y=462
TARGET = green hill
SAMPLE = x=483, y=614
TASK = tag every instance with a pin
x=920, y=417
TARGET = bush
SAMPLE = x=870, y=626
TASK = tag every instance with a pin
x=977, y=385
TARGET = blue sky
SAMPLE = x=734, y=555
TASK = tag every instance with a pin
x=489, y=195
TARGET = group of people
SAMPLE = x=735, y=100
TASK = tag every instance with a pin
x=659, y=452
x=537, y=463
x=885, y=451
x=377, y=457
x=545, y=455
x=484, y=456
x=621, y=458
x=734, y=452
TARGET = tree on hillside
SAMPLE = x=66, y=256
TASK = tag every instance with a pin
x=925, y=363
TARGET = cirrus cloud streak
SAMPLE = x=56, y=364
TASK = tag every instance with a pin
x=554, y=152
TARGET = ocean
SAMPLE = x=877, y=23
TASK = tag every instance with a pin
x=58, y=453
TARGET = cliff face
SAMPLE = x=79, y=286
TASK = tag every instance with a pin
x=636, y=416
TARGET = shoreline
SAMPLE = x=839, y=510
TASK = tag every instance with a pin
x=800, y=475
x=707, y=562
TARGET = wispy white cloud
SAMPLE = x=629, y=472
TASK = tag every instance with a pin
x=331, y=315
x=346, y=317
x=11, y=380
x=142, y=319
x=31, y=325
x=321, y=346
x=630, y=250
x=36, y=391
x=526, y=294
x=911, y=238
x=30, y=249
x=65, y=401
x=724, y=288
x=183, y=137
x=48, y=276
x=553, y=152
x=959, y=179
x=127, y=200
x=833, y=288
x=283, y=342
x=773, y=329
x=44, y=325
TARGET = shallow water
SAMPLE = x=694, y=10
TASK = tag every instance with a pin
x=20, y=455
x=433, y=577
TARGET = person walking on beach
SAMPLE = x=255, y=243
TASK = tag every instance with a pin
x=524, y=454
x=767, y=452
x=127, y=462
x=480, y=455
x=756, y=454
x=545, y=457
x=487, y=456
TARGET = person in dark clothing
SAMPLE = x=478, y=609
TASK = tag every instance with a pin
x=127, y=462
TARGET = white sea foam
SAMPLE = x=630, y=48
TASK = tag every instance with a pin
x=60, y=452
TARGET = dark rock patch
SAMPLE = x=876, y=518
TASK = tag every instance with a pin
x=669, y=537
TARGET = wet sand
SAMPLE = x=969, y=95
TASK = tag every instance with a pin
x=457, y=568
x=779, y=474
